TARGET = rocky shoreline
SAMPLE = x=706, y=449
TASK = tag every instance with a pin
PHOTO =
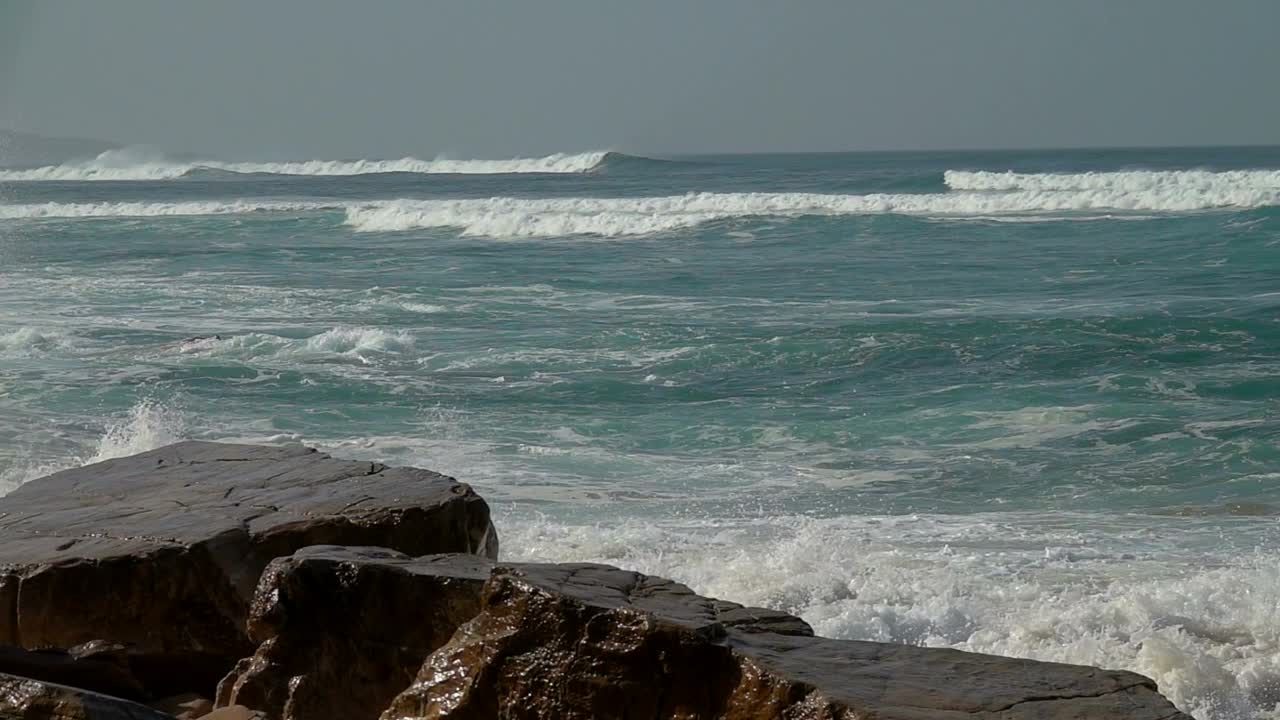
x=236, y=581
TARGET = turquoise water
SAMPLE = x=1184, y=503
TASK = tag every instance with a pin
x=1021, y=403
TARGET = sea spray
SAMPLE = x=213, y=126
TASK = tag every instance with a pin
x=149, y=424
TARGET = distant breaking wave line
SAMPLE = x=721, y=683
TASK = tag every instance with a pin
x=516, y=217
x=141, y=165
x=1206, y=181
x=615, y=217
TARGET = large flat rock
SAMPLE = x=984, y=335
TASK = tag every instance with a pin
x=162, y=551
x=588, y=641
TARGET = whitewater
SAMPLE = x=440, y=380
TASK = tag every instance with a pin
x=515, y=217
x=144, y=164
x=1006, y=402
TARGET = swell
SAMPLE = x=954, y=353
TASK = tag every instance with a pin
x=55, y=210
x=140, y=165
x=617, y=217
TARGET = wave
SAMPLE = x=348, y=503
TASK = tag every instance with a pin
x=1000, y=584
x=514, y=217
x=140, y=164
x=1168, y=181
x=616, y=217
x=37, y=211
x=613, y=161
x=360, y=344
x=30, y=339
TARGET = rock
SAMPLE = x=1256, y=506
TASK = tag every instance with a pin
x=158, y=674
x=162, y=551
x=26, y=699
x=344, y=630
x=100, y=675
x=236, y=712
x=187, y=706
x=589, y=641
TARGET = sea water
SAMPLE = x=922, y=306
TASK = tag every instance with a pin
x=1010, y=402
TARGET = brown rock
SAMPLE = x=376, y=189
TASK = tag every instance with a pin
x=589, y=641
x=187, y=706
x=162, y=551
x=236, y=712
x=27, y=699
x=344, y=630
x=101, y=675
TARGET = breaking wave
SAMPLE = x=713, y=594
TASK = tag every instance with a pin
x=1133, y=181
x=139, y=164
x=1006, y=585
x=990, y=196
x=30, y=339
x=616, y=217
x=359, y=344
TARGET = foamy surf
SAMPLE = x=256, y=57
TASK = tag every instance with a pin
x=521, y=217
x=359, y=344
x=1167, y=181
x=617, y=217
x=134, y=164
x=26, y=340
x=1004, y=585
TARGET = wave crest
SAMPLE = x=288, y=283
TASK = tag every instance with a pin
x=1133, y=181
x=989, y=196
x=358, y=344
x=617, y=217
x=31, y=339
x=141, y=164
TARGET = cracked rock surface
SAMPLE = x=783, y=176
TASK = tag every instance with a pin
x=591, y=641
x=162, y=551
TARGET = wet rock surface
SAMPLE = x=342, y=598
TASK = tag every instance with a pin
x=351, y=590
x=342, y=631
x=162, y=551
x=109, y=675
x=27, y=699
x=584, y=641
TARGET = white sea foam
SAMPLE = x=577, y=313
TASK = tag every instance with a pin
x=1121, y=597
x=359, y=340
x=32, y=340
x=1160, y=181
x=513, y=217
x=616, y=217
x=360, y=344
x=140, y=164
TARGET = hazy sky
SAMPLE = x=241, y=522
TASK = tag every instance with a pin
x=335, y=78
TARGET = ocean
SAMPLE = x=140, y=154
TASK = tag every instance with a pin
x=1022, y=403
